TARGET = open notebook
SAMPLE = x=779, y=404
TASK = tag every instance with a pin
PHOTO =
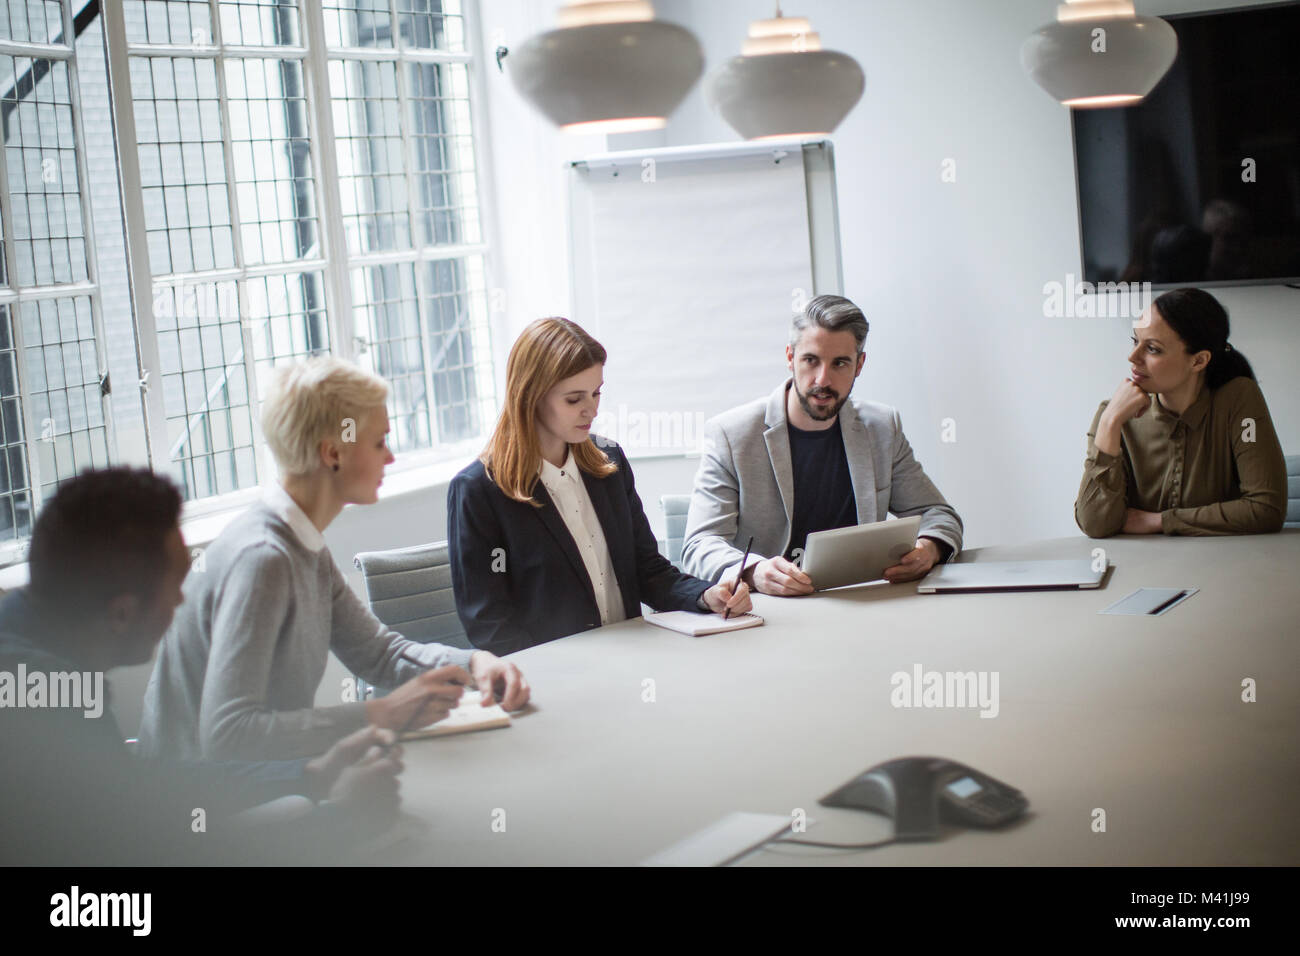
x=469, y=715
x=697, y=625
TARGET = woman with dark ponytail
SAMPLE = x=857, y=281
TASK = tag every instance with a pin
x=1186, y=444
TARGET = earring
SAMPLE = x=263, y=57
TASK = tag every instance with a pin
x=336, y=466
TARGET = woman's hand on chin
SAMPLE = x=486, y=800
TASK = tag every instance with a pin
x=1129, y=401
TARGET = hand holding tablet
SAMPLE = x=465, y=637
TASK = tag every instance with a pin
x=860, y=553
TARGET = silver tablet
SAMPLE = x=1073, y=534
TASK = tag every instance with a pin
x=858, y=554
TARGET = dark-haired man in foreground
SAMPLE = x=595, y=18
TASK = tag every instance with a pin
x=106, y=565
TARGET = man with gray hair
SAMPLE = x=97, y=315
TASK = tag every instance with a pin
x=807, y=459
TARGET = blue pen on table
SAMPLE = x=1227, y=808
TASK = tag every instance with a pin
x=739, y=574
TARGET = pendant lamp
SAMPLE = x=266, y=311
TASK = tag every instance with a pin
x=1099, y=53
x=610, y=67
x=784, y=83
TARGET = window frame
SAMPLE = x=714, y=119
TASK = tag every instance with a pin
x=336, y=262
x=14, y=295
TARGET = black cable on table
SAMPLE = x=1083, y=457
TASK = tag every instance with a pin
x=833, y=846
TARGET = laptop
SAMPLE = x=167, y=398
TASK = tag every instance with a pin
x=859, y=553
x=1069, y=575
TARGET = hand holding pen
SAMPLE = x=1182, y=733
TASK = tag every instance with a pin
x=724, y=598
x=422, y=700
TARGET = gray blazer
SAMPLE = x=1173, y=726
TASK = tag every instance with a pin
x=745, y=484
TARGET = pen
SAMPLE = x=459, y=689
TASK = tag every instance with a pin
x=1173, y=600
x=419, y=663
x=410, y=721
x=739, y=574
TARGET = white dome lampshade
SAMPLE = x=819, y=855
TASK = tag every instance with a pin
x=784, y=83
x=609, y=68
x=1087, y=70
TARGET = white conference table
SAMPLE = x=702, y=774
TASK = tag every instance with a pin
x=1139, y=716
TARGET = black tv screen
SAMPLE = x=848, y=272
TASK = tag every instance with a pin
x=1200, y=183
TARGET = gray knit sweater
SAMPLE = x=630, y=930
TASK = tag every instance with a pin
x=237, y=672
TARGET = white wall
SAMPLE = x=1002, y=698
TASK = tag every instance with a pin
x=527, y=179
x=949, y=274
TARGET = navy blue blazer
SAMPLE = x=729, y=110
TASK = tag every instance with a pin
x=544, y=591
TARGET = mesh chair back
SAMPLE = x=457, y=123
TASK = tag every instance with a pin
x=1292, y=491
x=675, y=508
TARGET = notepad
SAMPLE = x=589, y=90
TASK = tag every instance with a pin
x=468, y=715
x=697, y=625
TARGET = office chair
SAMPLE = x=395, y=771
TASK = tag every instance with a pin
x=409, y=589
x=675, y=508
x=1292, y=492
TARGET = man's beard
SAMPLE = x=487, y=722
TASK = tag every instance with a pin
x=812, y=412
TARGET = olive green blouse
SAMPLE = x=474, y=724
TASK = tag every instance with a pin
x=1216, y=469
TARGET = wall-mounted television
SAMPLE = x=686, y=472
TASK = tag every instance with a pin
x=1200, y=183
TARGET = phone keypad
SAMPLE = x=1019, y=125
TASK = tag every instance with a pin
x=993, y=808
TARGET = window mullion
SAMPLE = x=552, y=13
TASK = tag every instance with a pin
x=139, y=272
x=250, y=377
x=419, y=254
x=237, y=244
x=227, y=150
x=37, y=51
x=404, y=113
x=338, y=289
x=35, y=292
x=422, y=299
x=88, y=231
x=489, y=224
x=7, y=215
x=409, y=54
x=452, y=251
x=30, y=434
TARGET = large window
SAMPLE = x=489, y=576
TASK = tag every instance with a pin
x=399, y=86
x=242, y=110
x=54, y=413
x=304, y=181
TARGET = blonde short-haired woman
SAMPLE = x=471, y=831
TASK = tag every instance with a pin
x=547, y=534
x=237, y=673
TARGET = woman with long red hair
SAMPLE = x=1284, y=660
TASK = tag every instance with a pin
x=546, y=531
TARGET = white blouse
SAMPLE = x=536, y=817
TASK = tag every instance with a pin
x=569, y=492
